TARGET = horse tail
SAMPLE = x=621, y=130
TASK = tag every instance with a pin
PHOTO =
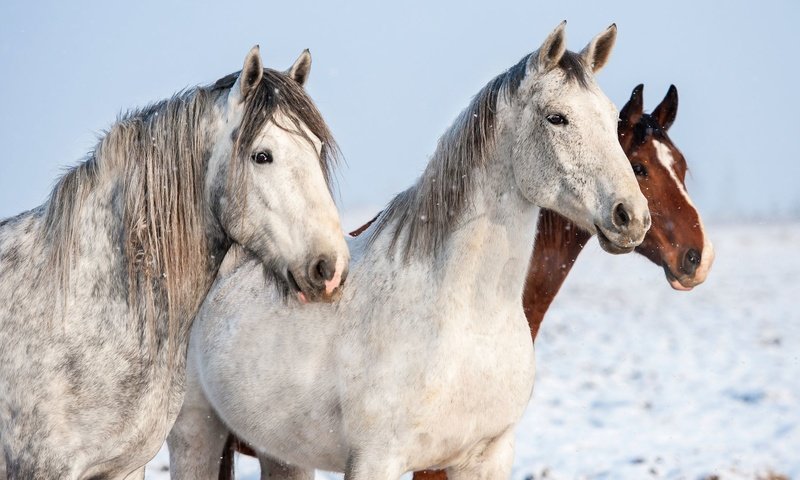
x=226, y=466
x=358, y=231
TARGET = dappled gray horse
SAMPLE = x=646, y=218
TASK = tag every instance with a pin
x=427, y=360
x=99, y=285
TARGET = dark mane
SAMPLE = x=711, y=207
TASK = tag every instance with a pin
x=278, y=92
x=429, y=210
x=572, y=65
x=646, y=126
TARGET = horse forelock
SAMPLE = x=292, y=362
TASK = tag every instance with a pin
x=646, y=126
x=278, y=93
x=429, y=211
x=574, y=68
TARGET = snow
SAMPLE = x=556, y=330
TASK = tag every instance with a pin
x=638, y=381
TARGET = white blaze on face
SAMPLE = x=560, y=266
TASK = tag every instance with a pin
x=664, y=155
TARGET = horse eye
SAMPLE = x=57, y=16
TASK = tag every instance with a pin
x=557, y=119
x=639, y=169
x=262, y=157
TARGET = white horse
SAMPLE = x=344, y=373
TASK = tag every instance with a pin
x=100, y=284
x=426, y=361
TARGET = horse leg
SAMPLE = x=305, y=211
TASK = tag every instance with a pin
x=197, y=439
x=493, y=462
x=376, y=466
x=273, y=469
x=196, y=443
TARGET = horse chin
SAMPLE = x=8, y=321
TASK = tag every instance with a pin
x=674, y=282
x=294, y=288
x=609, y=246
x=304, y=293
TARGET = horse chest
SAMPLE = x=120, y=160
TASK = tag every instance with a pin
x=481, y=378
x=454, y=389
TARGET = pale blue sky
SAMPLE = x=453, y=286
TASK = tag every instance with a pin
x=390, y=77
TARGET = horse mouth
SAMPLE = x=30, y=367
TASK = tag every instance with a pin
x=294, y=287
x=305, y=293
x=673, y=280
x=609, y=246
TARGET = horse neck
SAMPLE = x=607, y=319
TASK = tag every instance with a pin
x=557, y=244
x=488, y=254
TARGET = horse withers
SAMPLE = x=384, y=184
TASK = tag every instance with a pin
x=426, y=361
x=100, y=284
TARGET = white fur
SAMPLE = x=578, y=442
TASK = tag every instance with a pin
x=664, y=155
x=426, y=361
x=81, y=393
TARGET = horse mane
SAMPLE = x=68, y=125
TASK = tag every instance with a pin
x=431, y=209
x=155, y=158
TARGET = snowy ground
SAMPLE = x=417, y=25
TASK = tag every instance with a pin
x=637, y=381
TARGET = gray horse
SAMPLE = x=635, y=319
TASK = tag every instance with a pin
x=99, y=285
x=426, y=361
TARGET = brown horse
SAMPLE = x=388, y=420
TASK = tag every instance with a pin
x=676, y=240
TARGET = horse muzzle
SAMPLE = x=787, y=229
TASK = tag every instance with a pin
x=320, y=280
x=692, y=269
x=624, y=228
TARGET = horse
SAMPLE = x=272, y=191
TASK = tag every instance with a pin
x=101, y=283
x=676, y=240
x=425, y=361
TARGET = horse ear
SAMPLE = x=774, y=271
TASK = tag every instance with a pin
x=666, y=111
x=596, y=53
x=250, y=76
x=301, y=69
x=551, y=51
x=632, y=111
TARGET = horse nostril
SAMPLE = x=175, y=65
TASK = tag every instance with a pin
x=691, y=261
x=620, y=219
x=321, y=270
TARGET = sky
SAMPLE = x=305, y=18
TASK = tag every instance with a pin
x=389, y=79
